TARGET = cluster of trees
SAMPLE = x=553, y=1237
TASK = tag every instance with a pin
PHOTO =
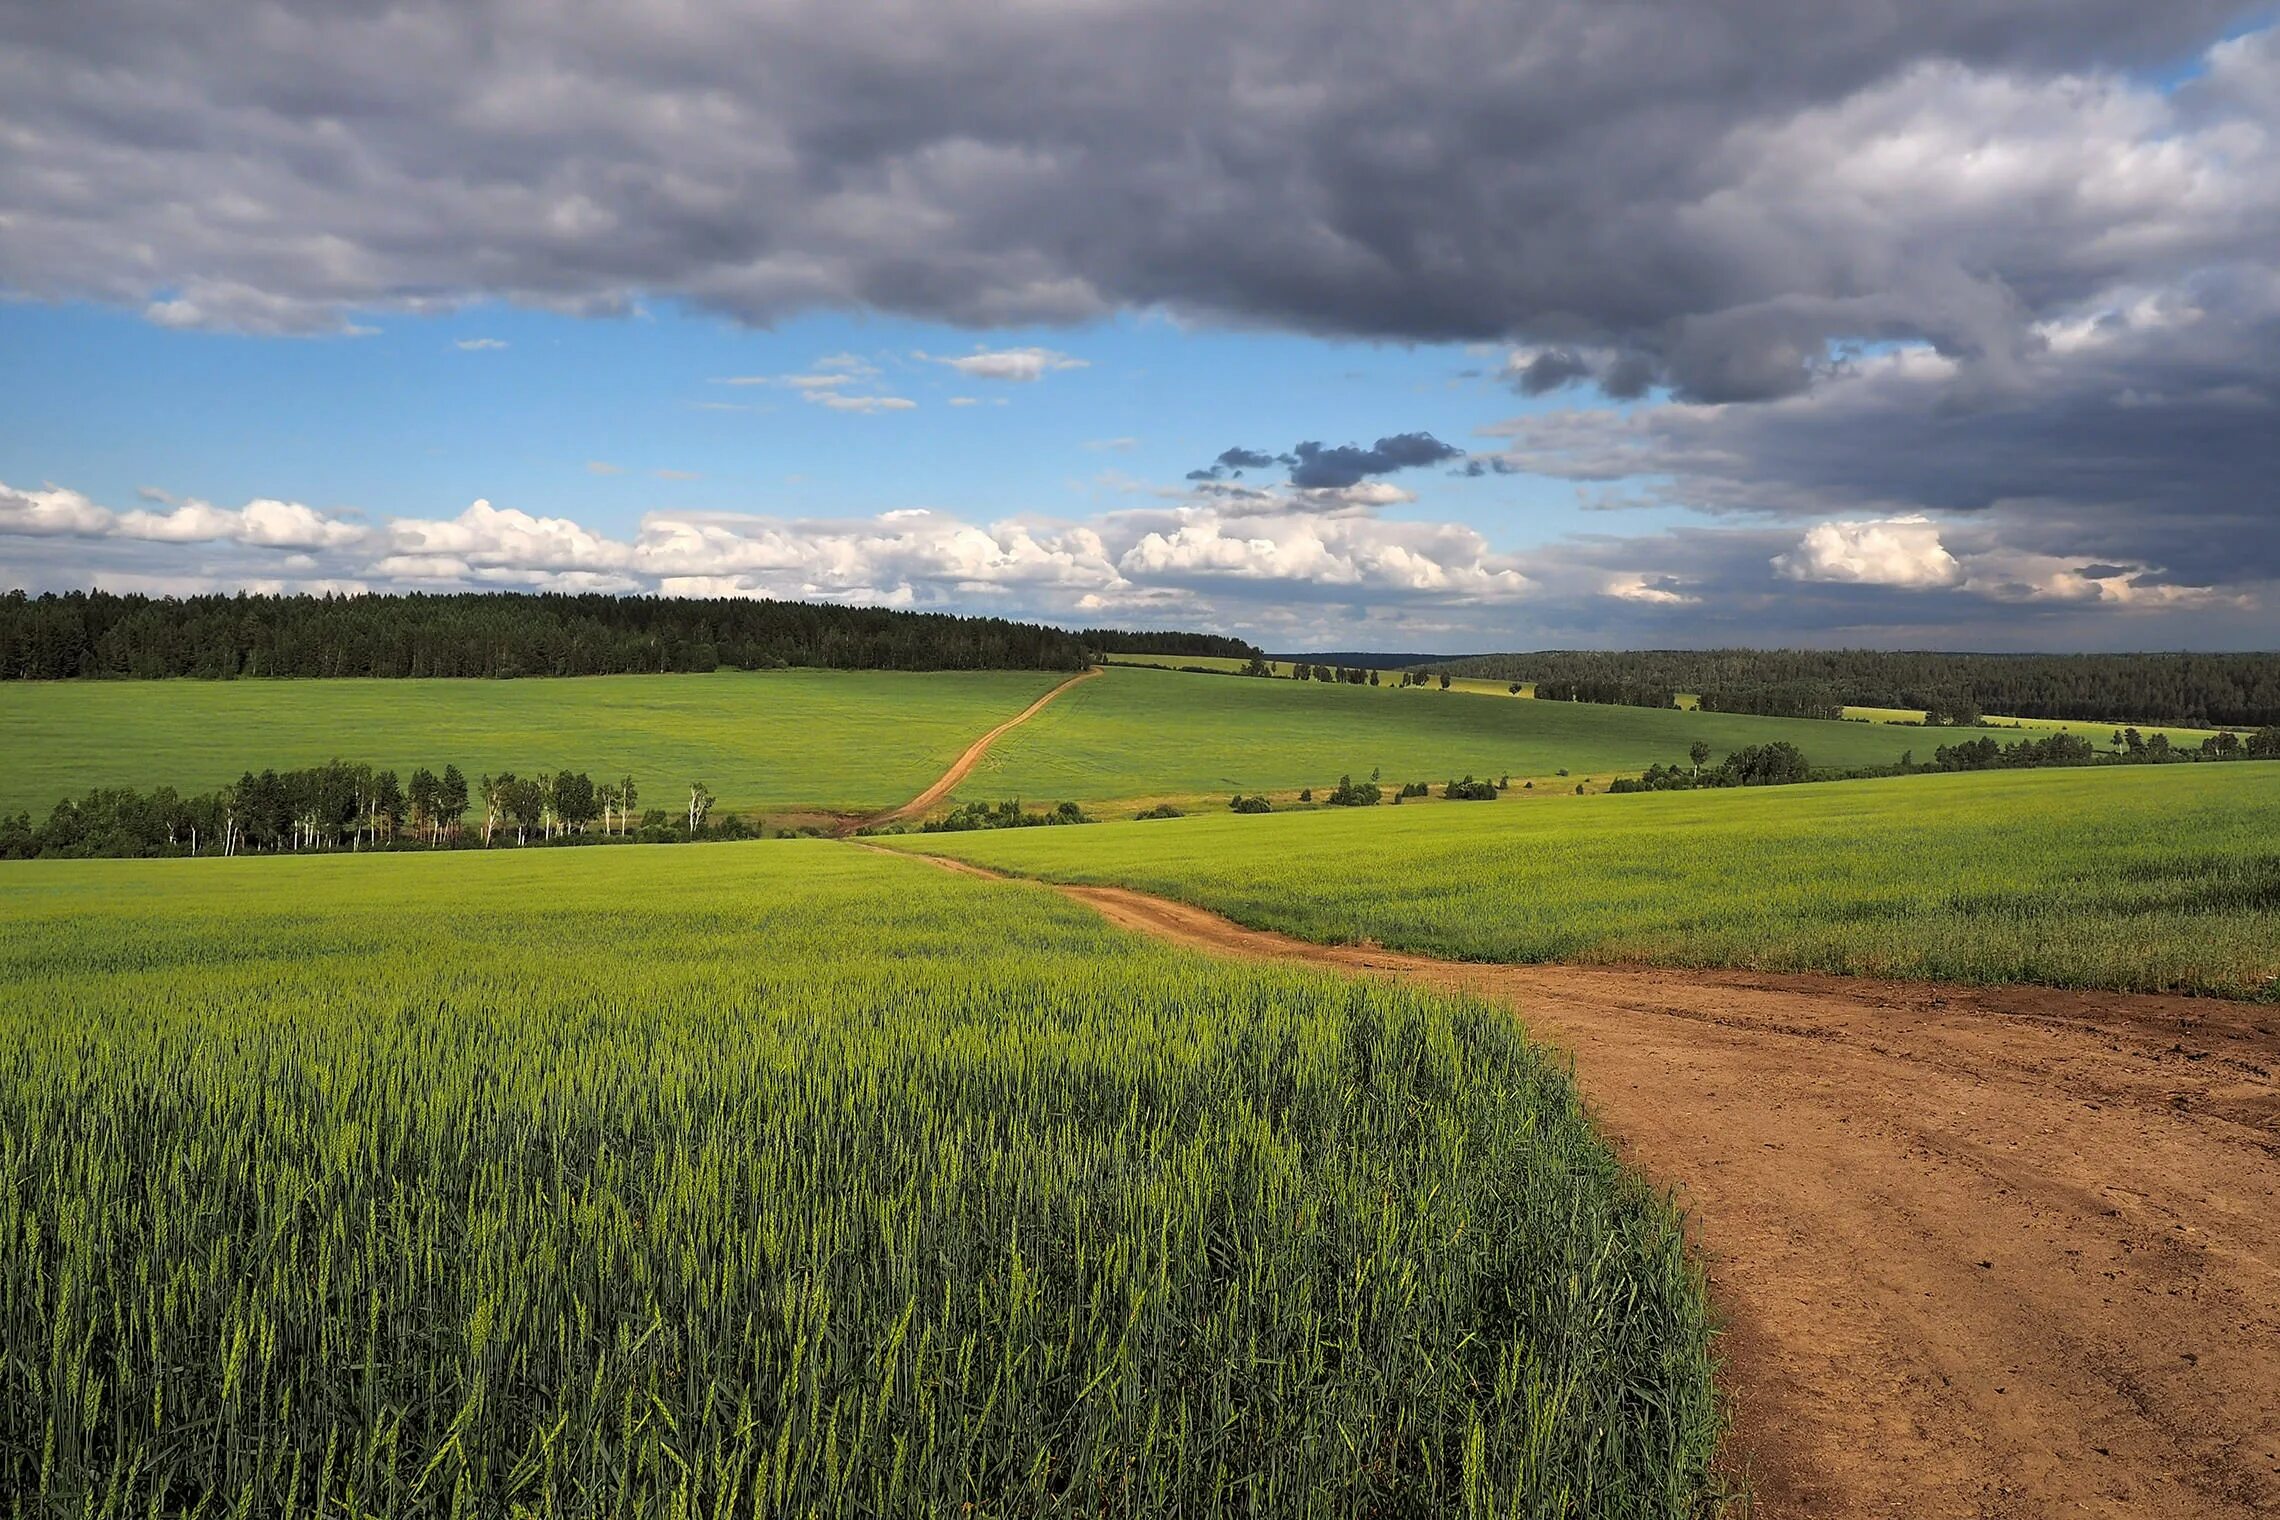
x=1613, y=693
x=568, y=802
x=339, y=805
x=2128, y=747
x=85, y=634
x=1003, y=815
x=1986, y=754
x=1425, y=678
x=1352, y=793
x=1242, y=804
x=1121, y=641
x=1346, y=675
x=1777, y=764
x=1469, y=790
x=2195, y=690
x=1775, y=699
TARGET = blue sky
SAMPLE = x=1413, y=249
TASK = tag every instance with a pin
x=402, y=418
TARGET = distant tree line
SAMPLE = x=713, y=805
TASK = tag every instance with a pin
x=337, y=806
x=1614, y=693
x=1008, y=814
x=2127, y=747
x=86, y=634
x=1122, y=641
x=2193, y=690
x=1783, y=763
x=1775, y=699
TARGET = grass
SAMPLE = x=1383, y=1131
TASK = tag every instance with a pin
x=850, y=740
x=788, y=1180
x=2151, y=879
x=1149, y=733
x=2036, y=728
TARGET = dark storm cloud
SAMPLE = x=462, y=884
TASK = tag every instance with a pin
x=1439, y=170
x=2148, y=439
x=1318, y=467
x=1551, y=369
x=1315, y=466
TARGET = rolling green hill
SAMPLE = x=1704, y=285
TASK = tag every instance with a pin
x=773, y=739
x=1147, y=733
x=2160, y=878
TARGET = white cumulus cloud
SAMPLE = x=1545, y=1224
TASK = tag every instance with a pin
x=1893, y=551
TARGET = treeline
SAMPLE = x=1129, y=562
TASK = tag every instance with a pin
x=1008, y=814
x=1782, y=763
x=2127, y=747
x=1778, y=699
x=1125, y=641
x=1777, y=764
x=2189, y=690
x=92, y=634
x=1614, y=693
x=338, y=806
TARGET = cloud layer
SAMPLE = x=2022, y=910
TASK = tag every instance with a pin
x=1292, y=567
x=1929, y=309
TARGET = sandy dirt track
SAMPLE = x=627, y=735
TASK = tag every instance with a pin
x=1979, y=1251
x=964, y=764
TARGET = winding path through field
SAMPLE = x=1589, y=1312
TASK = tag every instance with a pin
x=966, y=762
x=1980, y=1251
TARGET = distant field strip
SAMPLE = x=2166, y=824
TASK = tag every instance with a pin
x=840, y=740
x=2148, y=879
x=787, y=1179
x=1142, y=732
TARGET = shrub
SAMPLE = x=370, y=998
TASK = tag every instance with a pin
x=1160, y=810
x=1242, y=804
x=1469, y=790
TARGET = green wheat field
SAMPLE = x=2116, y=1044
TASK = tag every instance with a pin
x=787, y=1179
x=827, y=739
x=2157, y=878
x=1141, y=732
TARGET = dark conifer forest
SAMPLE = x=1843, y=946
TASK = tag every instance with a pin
x=94, y=634
x=2199, y=690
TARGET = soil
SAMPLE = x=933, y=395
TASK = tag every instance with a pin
x=965, y=763
x=1988, y=1251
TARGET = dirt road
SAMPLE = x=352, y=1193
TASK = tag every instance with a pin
x=966, y=762
x=1980, y=1251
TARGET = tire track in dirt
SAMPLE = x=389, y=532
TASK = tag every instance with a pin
x=1992, y=1251
x=965, y=763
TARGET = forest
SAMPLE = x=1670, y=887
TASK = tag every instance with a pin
x=2189, y=690
x=95, y=634
x=1157, y=641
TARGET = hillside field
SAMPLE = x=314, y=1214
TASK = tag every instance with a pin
x=1144, y=733
x=790, y=1179
x=853, y=740
x=2159, y=878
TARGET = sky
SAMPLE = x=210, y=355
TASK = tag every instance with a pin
x=1443, y=327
